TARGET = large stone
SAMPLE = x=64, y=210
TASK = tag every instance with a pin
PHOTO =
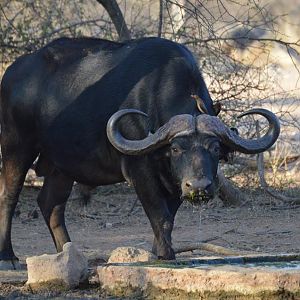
x=67, y=268
x=206, y=282
x=130, y=255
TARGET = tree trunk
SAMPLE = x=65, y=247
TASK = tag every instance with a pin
x=113, y=9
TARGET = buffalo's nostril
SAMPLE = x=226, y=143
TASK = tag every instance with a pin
x=188, y=184
x=197, y=189
x=198, y=185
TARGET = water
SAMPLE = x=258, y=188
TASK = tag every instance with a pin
x=199, y=210
x=284, y=262
x=275, y=265
x=268, y=262
x=293, y=265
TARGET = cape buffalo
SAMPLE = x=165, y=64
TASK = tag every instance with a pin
x=56, y=104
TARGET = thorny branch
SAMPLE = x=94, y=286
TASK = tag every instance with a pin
x=263, y=182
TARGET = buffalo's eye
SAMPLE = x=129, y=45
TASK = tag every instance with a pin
x=175, y=150
x=215, y=149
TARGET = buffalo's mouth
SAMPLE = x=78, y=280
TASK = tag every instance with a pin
x=197, y=198
x=198, y=190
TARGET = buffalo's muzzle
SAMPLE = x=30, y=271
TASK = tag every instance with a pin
x=197, y=190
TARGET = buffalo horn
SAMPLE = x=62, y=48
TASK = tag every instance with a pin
x=213, y=125
x=176, y=126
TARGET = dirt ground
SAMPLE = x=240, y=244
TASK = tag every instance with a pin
x=111, y=220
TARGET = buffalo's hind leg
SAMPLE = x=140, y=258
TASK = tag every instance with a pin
x=52, y=202
x=17, y=157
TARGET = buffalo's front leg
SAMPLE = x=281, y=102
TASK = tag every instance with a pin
x=161, y=223
x=52, y=201
x=153, y=198
x=173, y=204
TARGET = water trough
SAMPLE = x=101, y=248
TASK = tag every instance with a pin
x=242, y=277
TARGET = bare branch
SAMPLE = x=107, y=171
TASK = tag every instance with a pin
x=160, y=19
x=210, y=248
x=263, y=182
x=274, y=40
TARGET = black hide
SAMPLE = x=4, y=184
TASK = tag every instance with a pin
x=56, y=102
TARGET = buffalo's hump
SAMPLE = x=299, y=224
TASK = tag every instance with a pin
x=65, y=49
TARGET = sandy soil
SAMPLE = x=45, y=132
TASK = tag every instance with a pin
x=111, y=220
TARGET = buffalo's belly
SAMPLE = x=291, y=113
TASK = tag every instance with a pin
x=99, y=165
x=92, y=173
x=95, y=173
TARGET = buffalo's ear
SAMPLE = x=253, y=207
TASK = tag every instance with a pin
x=217, y=108
x=227, y=153
x=165, y=153
x=162, y=153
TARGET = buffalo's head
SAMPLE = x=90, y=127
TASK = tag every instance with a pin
x=195, y=145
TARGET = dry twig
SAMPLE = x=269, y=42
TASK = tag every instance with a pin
x=208, y=247
x=264, y=184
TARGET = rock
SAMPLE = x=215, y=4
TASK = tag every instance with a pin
x=66, y=269
x=206, y=282
x=108, y=225
x=130, y=254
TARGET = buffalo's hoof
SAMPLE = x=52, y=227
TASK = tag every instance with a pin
x=13, y=264
x=167, y=255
